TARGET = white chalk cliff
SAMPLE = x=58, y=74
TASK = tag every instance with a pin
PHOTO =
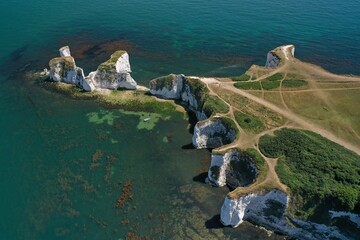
x=168, y=87
x=279, y=54
x=114, y=73
x=233, y=168
x=178, y=87
x=268, y=210
x=212, y=133
x=64, y=69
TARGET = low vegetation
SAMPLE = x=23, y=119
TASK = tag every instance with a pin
x=320, y=174
x=198, y=88
x=258, y=160
x=161, y=82
x=243, y=77
x=268, y=85
x=230, y=124
x=110, y=64
x=275, y=77
x=248, y=85
x=136, y=101
x=294, y=83
x=248, y=122
x=214, y=104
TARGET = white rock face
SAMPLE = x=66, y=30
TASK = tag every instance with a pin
x=212, y=133
x=355, y=218
x=286, y=52
x=272, y=60
x=113, y=74
x=222, y=162
x=268, y=210
x=64, y=69
x=123, y=64
x=65, y=51
x=176, y=87
x=220, y=169
x=233, y=210
x=171, y=90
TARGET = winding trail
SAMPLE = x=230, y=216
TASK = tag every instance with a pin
x=290, y=65
x=294, y=118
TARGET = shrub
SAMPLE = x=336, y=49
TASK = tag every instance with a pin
x=248, y=122
x=321, y=173
x=243, y=77
x=213, y=104
x=275, y=77
x=294, y=83
x=248, y=85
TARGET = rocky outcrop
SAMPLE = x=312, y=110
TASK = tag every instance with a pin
x=187, y=89
x=210, y=133
x=213, y=133
x=64, y=69
x=268, y=210
x=168, y=87
x=272, y=60
x=352, y=217
x=235, y=210
x=65, y=51
x=114, y=73
x=278, y=55
x=235, y=168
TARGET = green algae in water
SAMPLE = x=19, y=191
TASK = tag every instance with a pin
x=102, y=117
x=147, y=120
x=165, y=139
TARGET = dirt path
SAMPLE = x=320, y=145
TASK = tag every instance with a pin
x=294, y=118
x=303, y=90
x=286, y=113
x=313, y=74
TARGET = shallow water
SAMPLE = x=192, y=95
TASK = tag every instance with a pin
x=62, y=174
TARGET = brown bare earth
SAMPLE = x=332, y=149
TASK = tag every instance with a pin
x=327, y=105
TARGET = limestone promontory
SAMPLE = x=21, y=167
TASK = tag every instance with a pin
x=237, y=121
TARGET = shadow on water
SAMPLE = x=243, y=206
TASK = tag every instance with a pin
x=214, y=223
x=188, y=146
x=201, y=177
x=18, y=53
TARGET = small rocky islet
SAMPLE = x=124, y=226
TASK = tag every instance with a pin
x=245, y=169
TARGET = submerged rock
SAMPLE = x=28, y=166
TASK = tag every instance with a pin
x=212, y=133
x=64, y=69
x=114, y=73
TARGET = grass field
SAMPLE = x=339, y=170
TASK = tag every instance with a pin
x=248, y=122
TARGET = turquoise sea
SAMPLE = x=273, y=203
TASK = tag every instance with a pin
x=62, y=172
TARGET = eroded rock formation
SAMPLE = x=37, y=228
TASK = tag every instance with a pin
x=212, y=133
x=279, y=55
x=112, y=74
x=64, y=69
x=187, y=89
x=235, y=168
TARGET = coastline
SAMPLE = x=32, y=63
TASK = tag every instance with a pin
x=194, y=105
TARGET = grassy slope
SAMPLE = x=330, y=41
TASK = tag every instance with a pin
x=321, y=174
